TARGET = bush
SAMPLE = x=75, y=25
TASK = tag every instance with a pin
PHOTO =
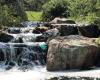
x=11, y=14
x=85, y=10
x=55, y=8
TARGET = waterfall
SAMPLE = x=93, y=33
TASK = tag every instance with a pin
x=26, y=37
x=27, y=54
x=18, y=48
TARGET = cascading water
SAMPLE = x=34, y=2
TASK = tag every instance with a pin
x=24, y=54
x=26, y=37
x=22, y=50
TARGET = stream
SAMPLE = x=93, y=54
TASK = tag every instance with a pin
x=24, y=59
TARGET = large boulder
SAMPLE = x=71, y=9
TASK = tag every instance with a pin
x=71, y=52
x=39, y=30
x=89, y=30
x=67, y=29
x=97, y=62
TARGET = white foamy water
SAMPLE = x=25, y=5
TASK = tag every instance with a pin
x=40, y=73
x=26, y=37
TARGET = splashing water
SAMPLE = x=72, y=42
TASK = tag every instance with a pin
x=26, y=37
x=25, y=55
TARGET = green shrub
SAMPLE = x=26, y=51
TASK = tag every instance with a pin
x=85, y=10
x=55, y=8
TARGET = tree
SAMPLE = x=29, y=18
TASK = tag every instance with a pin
x=55, y=8
x=35, y=5
x=88, y=9
x=11, y=12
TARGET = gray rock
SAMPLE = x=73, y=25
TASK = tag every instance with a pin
x=67, y=29
x=71, y=52
x=48, y=35
x=5, y=37
x=87, y=30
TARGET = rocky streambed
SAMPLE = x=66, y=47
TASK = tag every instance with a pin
x=61, y=51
